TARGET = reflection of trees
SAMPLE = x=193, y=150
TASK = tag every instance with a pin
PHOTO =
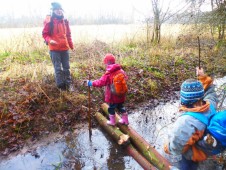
x=73, y=153
x=115, y=160
x=81, y=152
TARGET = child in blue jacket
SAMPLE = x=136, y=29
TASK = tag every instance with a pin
x=199, y=98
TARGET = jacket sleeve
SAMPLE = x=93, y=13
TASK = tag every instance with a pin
x=210, y=93
x=185, y=132
x=68, y=34
x=46, y=32
x=103, y=81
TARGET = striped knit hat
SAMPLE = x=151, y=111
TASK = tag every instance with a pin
x=191, y=91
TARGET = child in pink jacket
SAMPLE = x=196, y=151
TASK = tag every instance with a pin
x=113, y=100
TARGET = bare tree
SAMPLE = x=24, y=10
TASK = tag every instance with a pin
x=162, y=15
x=157, y=23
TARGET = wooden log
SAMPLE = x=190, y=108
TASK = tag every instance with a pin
x=114, y=131
x=142, y=146
x=123, y=140
x=143, y=162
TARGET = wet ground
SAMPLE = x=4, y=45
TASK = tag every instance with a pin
x=78, y=150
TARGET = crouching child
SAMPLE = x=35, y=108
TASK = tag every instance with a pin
x=192, y=135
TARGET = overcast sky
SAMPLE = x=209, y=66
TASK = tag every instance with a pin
x=74, y=7
x=125, y=8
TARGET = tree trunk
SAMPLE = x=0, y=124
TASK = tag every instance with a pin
x=156, y=32
x=143, y=147
x=153, y=34
x=222, y=30
x=157, y=23
x=211, y=24
x=159, y=33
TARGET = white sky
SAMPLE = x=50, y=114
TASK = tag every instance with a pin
x=74, y=7
x=83, y=7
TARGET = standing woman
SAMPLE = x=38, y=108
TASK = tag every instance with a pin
x=57, y=35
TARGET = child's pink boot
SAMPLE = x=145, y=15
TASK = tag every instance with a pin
x=112, y=120
x=124, y=119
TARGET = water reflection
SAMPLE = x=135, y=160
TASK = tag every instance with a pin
x=75, y=152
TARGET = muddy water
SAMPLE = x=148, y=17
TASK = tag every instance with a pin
x=78, y=150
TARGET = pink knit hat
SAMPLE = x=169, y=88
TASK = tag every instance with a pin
x=109, y=59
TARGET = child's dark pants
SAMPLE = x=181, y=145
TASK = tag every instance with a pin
x=119, y=106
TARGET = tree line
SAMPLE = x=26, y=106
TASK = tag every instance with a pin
x=10, y=21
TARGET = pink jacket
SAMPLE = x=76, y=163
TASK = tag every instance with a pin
x=105, y=80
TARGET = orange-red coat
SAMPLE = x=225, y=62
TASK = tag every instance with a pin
x=61, y=33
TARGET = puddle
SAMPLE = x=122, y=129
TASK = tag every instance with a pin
x=79, y=151
x=75, y=151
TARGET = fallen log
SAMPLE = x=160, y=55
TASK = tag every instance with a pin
x=123, y=140
x=143, y=162
x=142, y=146
x=114, y=131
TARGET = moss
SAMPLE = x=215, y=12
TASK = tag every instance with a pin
x=152, y=85
x=158, y=74
x=179, y=61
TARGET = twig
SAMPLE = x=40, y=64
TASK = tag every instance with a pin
x=160, y=131
x=44, y=92
x=65, y=97
x=199, y=51
x=89, y=106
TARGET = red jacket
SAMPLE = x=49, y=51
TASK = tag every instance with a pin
x=61, y=34
x=105, y=80
x=47, y=20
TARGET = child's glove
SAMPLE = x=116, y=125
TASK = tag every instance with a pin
x=89, y=83
x=199, y=71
